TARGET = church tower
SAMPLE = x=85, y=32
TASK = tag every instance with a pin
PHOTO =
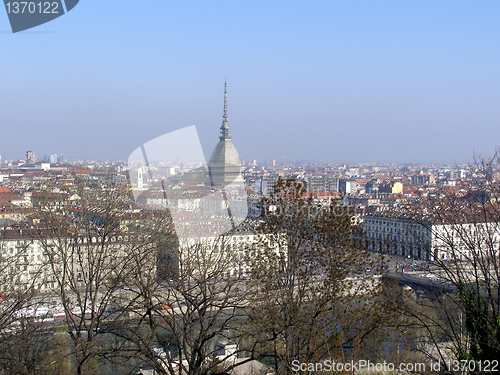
x=140, y=179
x=225, y=163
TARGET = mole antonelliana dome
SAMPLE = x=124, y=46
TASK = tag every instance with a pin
x=225, y=163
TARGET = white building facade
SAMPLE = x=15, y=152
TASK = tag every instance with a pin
x=430, y=241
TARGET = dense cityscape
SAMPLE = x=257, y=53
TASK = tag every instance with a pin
x=249, y=188
x=152, y=266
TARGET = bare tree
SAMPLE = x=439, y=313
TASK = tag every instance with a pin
x=24, y=343
x=178, y=321
x=314, y=299
x=86, y=253
x=462, y=320
x=25, y=347
x=130, y=293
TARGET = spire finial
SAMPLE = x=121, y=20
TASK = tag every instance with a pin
x=224, y=129
x=225, y=100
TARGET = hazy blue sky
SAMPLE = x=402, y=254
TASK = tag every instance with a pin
x=356, y=81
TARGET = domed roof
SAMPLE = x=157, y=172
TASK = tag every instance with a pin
x=225, y=163
x=225, y=154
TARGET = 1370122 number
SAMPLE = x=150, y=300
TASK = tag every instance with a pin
x=472, y=366
x=32, y=7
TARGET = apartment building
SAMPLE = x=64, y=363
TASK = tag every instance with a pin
x=430, y=240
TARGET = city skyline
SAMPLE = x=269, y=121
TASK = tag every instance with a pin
x=323, y=82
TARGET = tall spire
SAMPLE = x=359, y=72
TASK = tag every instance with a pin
x=225, y=129
x=225, y=101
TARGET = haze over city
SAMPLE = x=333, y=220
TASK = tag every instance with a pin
x=249, y=188
x=384, y=82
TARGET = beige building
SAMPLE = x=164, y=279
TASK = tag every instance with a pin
x=228, y=255
x=397, y=188
x=30, y=258
x=225, y=163
x=430, y=241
